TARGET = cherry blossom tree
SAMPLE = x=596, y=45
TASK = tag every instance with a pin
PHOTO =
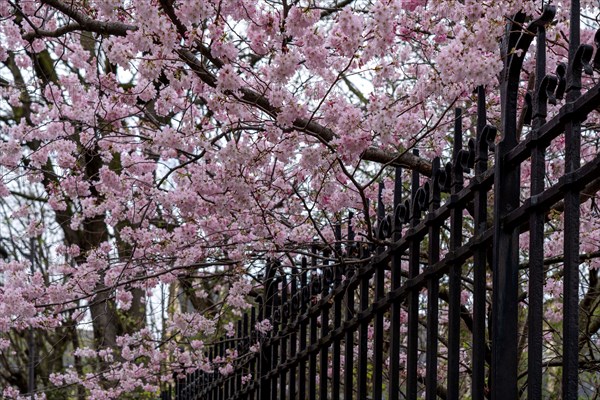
x=155, y=152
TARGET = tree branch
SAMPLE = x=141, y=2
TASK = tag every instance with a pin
x=326, y=135
x=82, y=22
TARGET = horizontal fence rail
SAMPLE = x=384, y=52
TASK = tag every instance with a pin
x=390, y=319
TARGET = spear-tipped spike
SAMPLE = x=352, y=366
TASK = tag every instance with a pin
x=597, y=56
x=528, y=109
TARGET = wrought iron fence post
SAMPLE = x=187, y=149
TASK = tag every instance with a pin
x=506, y=240
x=485, y=137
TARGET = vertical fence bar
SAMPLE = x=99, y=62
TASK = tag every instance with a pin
x=305, y=296
x=241, y=349
x=254, y=367
x=201, y=387
x=266, y=355
x=276, y=319
x=246, y=347
x=536, y=228
x=324, y=358
x=433, y=289
x=312, y=362
x=206, y=379
x=215, y=374
x=396, y=307
x=257, y=315
x=222, y=379
x=178, y=391
x=363, y=333
x=31, y=348
x=337, y=315
x=454, y=275
x=196, y=387
x=207, y=388
x=414, y=256
x=506, y=239
x=185, y=390
x=349, y=304
x=214, y=388
x=379, y=293
x=283, y=348
x=219, y=380
x=217, y=395
x=480, y=253
x=294, y=336
x=202, y=382
x=236, y=381
x=572, y=217
x=194, y=384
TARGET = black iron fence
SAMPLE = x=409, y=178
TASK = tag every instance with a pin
x=387, y=321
